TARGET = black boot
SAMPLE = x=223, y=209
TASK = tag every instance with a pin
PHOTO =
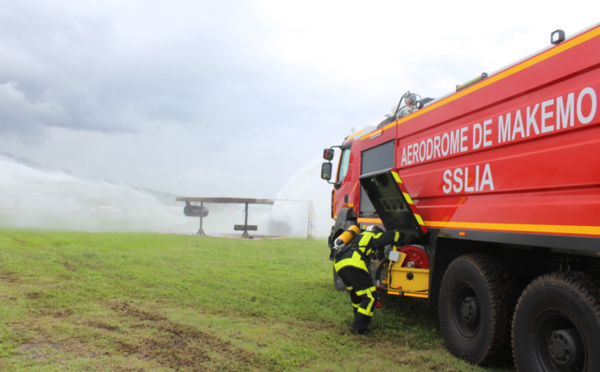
x=363, y=331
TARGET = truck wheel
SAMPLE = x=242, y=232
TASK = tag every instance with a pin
x=557, y=325
x=477, y=298
x=337, y=281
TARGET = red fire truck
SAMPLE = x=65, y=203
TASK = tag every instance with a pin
x=496, y=188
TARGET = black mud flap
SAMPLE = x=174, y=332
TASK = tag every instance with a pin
x=393, y=203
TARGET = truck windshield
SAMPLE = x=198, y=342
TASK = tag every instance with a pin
x=344, y=163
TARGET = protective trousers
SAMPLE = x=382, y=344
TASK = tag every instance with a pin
x=360, y=286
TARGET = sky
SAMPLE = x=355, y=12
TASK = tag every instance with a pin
x=238, y=98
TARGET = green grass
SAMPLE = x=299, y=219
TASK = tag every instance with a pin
x=136, y=302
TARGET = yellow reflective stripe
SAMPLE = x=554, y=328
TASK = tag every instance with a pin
x=365, y=312
x=364, y=240
x=557, y=229
x=354, y=261
x=354, y=135
x=409, y=200
x=368, y=292
x=370, y=221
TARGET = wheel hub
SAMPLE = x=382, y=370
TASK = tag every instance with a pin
x=565, y=347
x=469, y=310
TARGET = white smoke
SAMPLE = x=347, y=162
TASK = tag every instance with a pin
x=302, y=196
x=33, y=196
x=37, y=197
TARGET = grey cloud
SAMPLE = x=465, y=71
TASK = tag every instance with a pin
x=47, y=49
x=22, y=114
x=111, y=73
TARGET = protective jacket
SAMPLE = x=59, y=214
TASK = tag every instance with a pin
x=362, y=248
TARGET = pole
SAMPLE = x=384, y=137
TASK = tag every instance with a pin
x=201, y=231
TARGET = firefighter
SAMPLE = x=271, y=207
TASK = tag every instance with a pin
x=352, y=266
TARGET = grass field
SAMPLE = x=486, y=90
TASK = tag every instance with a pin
x=150, y=302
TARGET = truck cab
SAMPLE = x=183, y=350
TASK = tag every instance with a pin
x=366, y=151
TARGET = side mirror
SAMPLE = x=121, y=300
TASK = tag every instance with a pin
x=326, y=171
x=328, y=154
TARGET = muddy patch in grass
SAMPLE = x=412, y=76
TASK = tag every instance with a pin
x=179, y=346
x=9, y=277
x=39, y=350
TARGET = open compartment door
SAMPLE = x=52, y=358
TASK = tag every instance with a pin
x=392, y=202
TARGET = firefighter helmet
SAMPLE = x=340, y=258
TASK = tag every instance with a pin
x=374, y=229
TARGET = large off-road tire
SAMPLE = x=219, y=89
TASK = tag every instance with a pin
x=557, y=325
x=477, y=298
